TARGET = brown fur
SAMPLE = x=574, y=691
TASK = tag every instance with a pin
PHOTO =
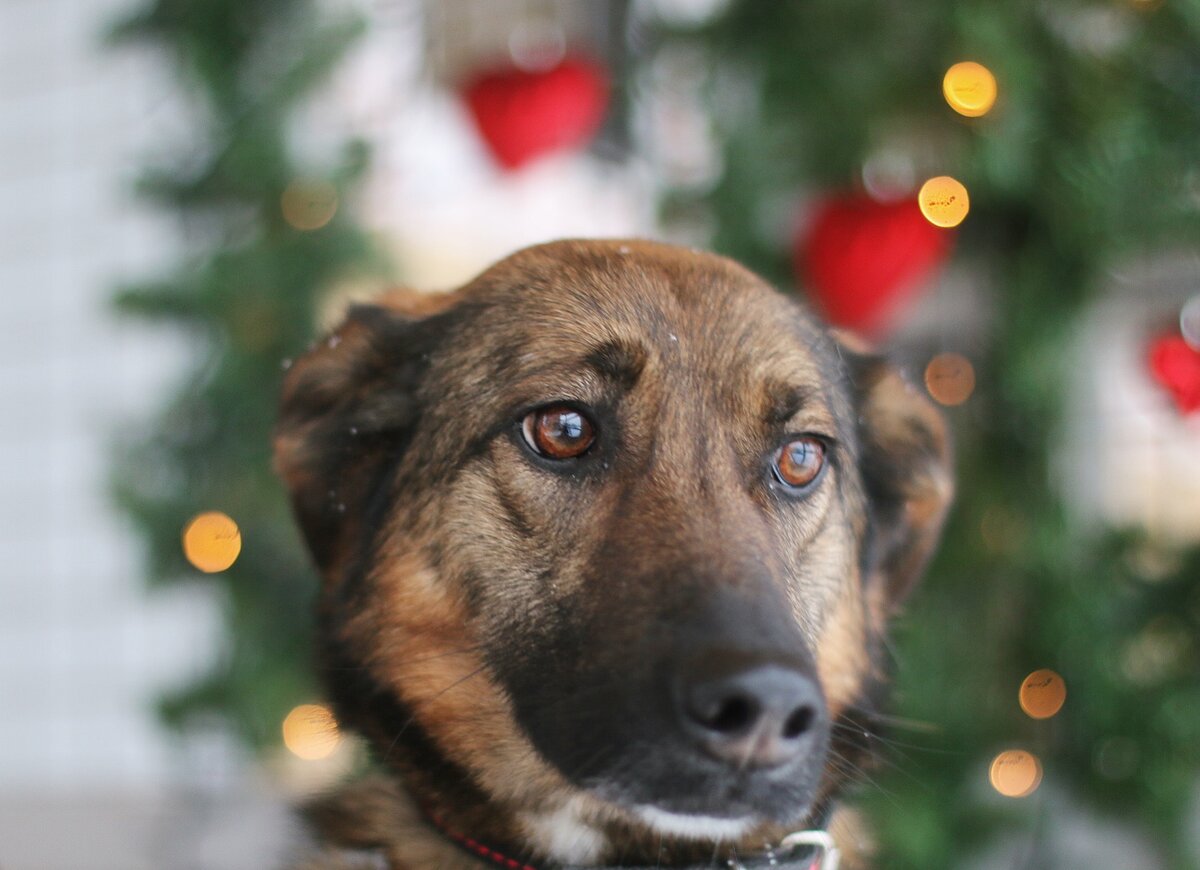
x=439, y=541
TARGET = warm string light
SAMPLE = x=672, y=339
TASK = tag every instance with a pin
x=1042, y=694
x=950, y=378
x=969, y=88
x=310, y=732
x=212, y=542
x=309, y=205
x=1015, y=773
x=944, y=201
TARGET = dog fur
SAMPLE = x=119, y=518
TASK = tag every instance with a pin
x=482, y=612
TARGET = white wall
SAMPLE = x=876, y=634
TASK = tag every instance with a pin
x=83, y=649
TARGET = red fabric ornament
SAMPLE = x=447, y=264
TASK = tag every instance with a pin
x=522, y=115
x=862, y=260
x=1175, y=364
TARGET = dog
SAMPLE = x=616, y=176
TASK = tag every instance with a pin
x=609, y=539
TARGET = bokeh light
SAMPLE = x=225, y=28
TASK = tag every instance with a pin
x=1003, y=531
x=950, y=378
x=1015, y=773
x=1189, y=322
x=944, y=201
x=537, y=45
x=969, y=88
x=1157, y=652
x=310, y=732
x=1042, y=694
x=212, y=542
x=309, y=204
x=1116, y=758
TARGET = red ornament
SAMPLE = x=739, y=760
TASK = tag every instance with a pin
x=522, y=115
x=1175, y=364
x=861, y=260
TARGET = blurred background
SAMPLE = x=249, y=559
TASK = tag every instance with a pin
x=1005, y=197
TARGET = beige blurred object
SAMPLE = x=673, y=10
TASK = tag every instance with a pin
x=436, y=201
x=466, y=35
x=1128, y=457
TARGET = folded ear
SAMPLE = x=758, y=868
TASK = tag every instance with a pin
x=906, y=468
x=349, y=406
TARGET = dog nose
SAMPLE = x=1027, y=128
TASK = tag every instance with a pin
x=765, y=715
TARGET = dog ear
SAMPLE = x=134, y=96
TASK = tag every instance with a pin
x=906, y=465
x=348, y=408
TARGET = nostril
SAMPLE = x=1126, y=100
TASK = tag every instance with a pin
x=732, y=715
x=798, y=722
x=764, y=715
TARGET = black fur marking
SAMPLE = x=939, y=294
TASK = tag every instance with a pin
x=785, y=401
x=618, y=362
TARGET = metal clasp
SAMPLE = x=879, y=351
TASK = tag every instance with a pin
x=829, y=856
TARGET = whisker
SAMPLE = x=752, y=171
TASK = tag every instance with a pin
x=850, y=769
x=852, y=727
x=436, y=695
x=413, y=661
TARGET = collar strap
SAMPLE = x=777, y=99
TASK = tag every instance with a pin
x=802, y=850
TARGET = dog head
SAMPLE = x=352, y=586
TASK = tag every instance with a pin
x=609, y=539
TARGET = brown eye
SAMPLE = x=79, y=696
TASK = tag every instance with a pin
x=558, y=432
x=799, y=462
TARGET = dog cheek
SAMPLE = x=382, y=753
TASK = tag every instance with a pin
x=428, y=656
x=842, y=657
x=829, y=604
x=820, y=565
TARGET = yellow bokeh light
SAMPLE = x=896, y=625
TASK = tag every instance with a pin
x=212, y=542
x=1015, y=773
x=950, y=378
x=310, y=732
x=309, y=205
x=944, y=201
x=969, y=88
x=1042, y=694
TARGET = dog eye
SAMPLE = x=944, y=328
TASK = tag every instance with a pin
x=799, y=462
x=558, y=432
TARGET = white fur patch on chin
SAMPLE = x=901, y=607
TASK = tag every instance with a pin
x=694, y=827
x=563, y=835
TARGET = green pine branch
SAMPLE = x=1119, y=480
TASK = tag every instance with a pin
x=246, y=297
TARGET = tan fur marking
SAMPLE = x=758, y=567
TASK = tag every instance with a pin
x=842, y=660
x=428, y=658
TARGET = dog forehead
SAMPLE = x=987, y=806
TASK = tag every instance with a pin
x=572, y=295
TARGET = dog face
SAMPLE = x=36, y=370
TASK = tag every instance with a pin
x=612, y=531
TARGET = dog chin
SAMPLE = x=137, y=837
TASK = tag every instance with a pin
x=689, y=827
